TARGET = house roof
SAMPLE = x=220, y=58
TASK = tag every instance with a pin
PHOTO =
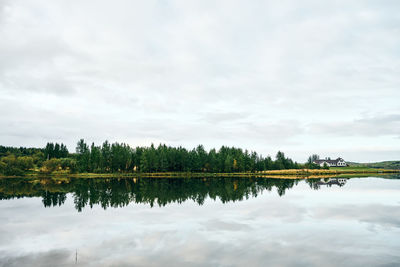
x=330, y=161
x=319, y=161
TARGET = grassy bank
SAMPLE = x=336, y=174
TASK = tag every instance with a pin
x=378, y=165
x=337, y=170
x=292, y=173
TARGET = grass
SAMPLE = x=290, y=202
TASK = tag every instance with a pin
x=381, y=165
x=333, y=170
x=292, y=173
x=355, y=168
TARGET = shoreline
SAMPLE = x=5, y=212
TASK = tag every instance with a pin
x=288, y=174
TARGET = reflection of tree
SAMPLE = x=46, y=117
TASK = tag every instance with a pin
x=53, y=199
x=313, y=183
x=156, y=191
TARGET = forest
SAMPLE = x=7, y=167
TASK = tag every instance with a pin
x=120, y=157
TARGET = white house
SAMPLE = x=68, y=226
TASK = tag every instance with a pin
x=331, y=181
x=339, y=162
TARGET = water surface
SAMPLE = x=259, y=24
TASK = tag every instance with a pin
x=200, y=222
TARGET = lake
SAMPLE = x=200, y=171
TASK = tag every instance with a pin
x=200, y=222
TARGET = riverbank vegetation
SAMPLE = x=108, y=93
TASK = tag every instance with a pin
x=120, y=159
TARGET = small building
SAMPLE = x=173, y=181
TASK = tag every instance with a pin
x=339, y=162
x=332, y=181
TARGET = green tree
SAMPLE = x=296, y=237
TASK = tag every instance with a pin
x=95, y=158
x=310, y=162
x=83, y=158
x=105, y=160
x=228, y=164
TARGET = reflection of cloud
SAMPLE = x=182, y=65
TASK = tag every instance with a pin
x=376, y=214
x=280, y=210
x=219, y=225
x=304, y=228
x=293, y=249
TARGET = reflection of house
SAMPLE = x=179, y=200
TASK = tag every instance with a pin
x=339, y=162
x=331, y=181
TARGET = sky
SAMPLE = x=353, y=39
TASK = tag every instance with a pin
x=302, y=77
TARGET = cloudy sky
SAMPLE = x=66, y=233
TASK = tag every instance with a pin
x=299, y=76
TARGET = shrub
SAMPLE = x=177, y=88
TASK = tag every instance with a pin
x=51, y=165
x=2, y=167
x=55, y=164
x=12, y=165
x=68, y=164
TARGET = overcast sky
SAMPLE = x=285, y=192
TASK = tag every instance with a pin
x=298, y=76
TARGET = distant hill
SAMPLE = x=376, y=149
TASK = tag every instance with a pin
x=379, y=165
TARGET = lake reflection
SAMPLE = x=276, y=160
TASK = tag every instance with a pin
x=153, y=191
x=200, y=222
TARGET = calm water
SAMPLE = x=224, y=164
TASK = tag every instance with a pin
x=200, y=222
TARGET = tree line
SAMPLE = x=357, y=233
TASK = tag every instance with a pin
x=120, y=157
